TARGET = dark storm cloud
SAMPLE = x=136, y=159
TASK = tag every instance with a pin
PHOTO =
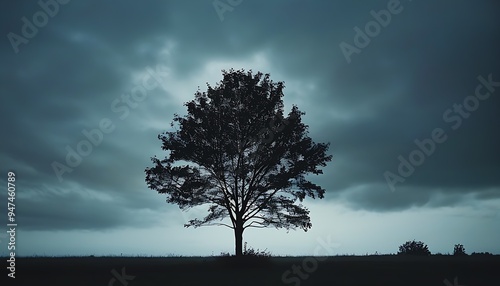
x=371, y=110
x=411, y=75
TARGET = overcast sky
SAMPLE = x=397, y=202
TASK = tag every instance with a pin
x=429, y=73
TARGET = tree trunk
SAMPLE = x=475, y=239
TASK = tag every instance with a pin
x=238, y=239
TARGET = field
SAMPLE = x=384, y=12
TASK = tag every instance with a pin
x=184, y=271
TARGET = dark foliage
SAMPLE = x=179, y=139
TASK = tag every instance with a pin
x=255, y=252
x=481, y=254
x=253, y=258
x=459, y=250
x=237, y=153
x=414, y=248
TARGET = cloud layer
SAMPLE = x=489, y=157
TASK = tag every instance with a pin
x=418, y=73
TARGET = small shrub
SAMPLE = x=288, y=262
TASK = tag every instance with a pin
x=251, y=258
x=481, y=254
x=459, y=250
x=252, y=252
x=414, y=248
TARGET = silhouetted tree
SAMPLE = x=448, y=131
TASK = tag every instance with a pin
x=459, y=250
x=240, y=157
x=414, y=248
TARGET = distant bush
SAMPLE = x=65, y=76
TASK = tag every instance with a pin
x=414, y=248
x=481, y=254
x=459, y=250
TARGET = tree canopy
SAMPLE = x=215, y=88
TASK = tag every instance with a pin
x=237, y=153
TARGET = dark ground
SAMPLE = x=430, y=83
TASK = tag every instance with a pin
x=183, y=271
